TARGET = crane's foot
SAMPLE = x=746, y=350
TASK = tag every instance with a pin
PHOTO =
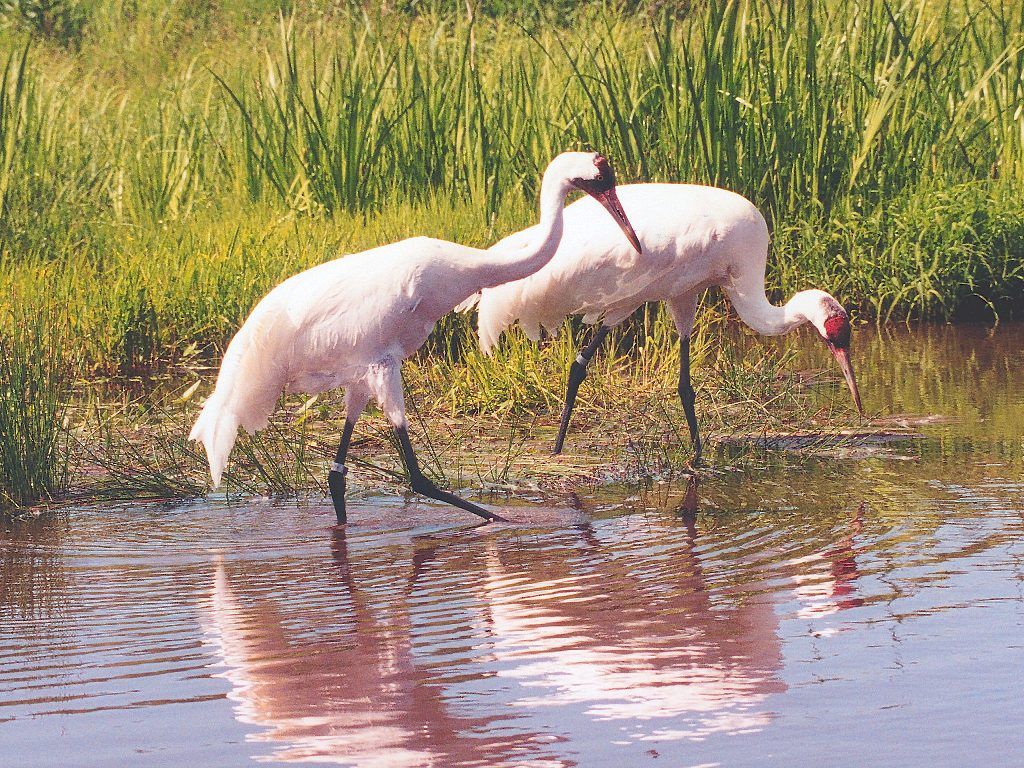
x=687, y=510
x=422, y=485
x=691, y=501
x=698, y=446
x=336, y=484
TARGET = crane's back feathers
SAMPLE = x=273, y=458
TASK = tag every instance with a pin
x=692, y=237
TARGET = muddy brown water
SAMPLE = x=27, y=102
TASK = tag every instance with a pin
x=858, y=607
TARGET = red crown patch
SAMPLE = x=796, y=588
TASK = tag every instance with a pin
x=837, y=331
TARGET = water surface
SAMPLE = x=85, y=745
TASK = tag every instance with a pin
x=848, y=608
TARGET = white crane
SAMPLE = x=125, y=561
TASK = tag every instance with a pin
x=350, y=323
x=693, y=237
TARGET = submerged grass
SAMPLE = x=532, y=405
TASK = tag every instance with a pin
x=628, y=427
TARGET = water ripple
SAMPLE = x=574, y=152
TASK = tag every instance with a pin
x=390, y=644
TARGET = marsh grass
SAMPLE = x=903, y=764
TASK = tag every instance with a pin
x=882, y=139
x=36, y=377
x=628, y=427
x=160, y=174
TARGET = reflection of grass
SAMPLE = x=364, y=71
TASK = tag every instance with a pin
x=34, y=580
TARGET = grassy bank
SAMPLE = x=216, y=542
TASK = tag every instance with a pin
x=163, y=164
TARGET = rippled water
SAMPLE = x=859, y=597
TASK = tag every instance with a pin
x=859, y=608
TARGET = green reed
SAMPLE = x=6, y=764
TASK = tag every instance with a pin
x=169, y=197
x=35, y=386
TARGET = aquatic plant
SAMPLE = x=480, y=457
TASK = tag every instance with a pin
x=879, y=138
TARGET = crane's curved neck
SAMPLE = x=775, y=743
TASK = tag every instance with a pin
x=764, y=317
x=504, y=264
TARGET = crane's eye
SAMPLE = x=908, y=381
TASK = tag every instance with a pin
x=599, y=177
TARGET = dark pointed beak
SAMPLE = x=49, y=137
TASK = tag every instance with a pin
x=842, y=356
x=610, y=201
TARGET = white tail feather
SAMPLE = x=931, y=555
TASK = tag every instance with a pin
x=216, y=428
x=251, y=378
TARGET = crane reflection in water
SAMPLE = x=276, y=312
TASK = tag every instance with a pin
x=518, y=647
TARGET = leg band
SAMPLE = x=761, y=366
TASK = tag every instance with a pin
x=341, y=469
x=581, y=359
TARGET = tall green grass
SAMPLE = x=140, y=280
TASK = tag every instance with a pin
x=164, y=169
x=167, y=198
x=802, y=106
x=35, y=384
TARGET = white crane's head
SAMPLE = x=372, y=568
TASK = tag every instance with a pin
x=591, y=172
x=833, y=325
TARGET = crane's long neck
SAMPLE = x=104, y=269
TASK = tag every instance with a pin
x=755, y=310
x=504, y=264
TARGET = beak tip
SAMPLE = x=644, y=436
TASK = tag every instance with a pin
x=842, y=356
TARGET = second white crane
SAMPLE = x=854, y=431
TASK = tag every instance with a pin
x=693, y=237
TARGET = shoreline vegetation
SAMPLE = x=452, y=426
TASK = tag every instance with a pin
x=162, y=165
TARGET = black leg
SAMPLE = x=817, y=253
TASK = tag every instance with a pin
x=421, y=484
x=336, y=477
x=688, y=396
x=577, y=372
